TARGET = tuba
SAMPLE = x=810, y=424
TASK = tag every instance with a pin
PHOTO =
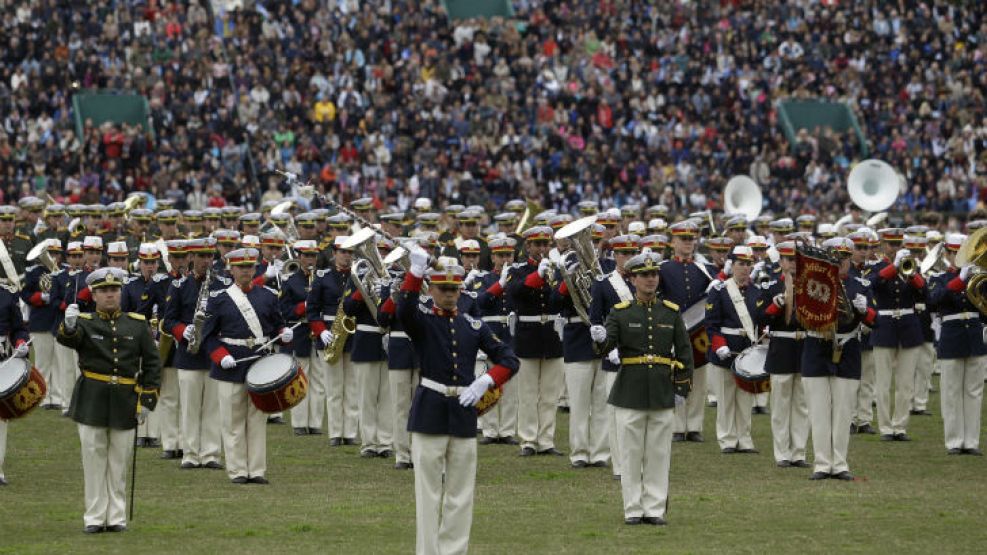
x=580, y=266
x=974, y=251
x=873, y=185
x=368, y=270
x=40, y=253
x=742, y=196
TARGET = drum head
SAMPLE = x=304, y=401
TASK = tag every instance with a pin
x=13, y=375
x=271, y=370
x=751, y=361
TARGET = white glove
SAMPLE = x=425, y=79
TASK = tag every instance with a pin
x=899, y=256
x=713, y=284
x=71, y=316
x=271, y=272
x=544, y=266
x=189, y=332
x=419, y=261
x=965, y=272
x=727, y=267
x=474, y=273
x=228, y=362
x=504, y=273
x=22, y=351
x=472, y=394
x=287, y=334
x=45, y=297
x=142, y=416
x=779, y=300
x=326, y=337
x=614, y=357
x=860, y=303
x=723, y=352
x=679, y=400
x=598, y=333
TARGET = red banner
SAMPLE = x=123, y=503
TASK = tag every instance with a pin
x=817, y=288
x=700, y=344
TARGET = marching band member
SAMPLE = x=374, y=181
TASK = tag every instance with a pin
x=307, y=416
x=897, y=336
x=14, y=335
x=42, y=321
x=321, y=306
x=165, y=420
x=241, y=317
x=469, y=230
x=731, y=330
x=655, y=374
x=776, y=310
x=120, y=370
x=198, y=401
x=684, y=281
x=537, y=344
x=962, y=354
x=830, y=376
x=863, y=414
x=916, y=242
x=442, y=419
x=69, y=287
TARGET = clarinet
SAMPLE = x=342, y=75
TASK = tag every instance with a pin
x=200, y=314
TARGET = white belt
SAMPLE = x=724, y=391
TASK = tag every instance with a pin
x=368, y=328
x=538, y=318
x=961, y=316
x=575, y=320
x=920, y=307
x=787, y=334
x=896, y=313
x=732, y=331
x=251, y=342
x=497, y=319
x=841, y=337
x=329, y=317
x=399, y=335
x=443, y=389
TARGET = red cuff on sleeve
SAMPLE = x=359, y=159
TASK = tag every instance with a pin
x=956, y=285
x=870, y=316
x=500, y=374
x=218, y=355
x=35, y=299
x=773, y=310
x=260, y=281
x=388, y=306
x=534, y=281
x=85, y=295
x=717, y=341
x=62, y=306
x=888, y=272
x=411, y=283
x=317, y=326
x=19, y=342
x=918, y=281
x=564, y=289
x=357, y=296
x=496, y=290
x=178, y=331
x=300, y=309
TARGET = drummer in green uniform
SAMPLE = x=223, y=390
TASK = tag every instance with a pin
x=655, y=374
x=119, y=368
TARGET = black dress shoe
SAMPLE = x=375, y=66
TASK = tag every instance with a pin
x=853, y=428
x=92, y=529
x=140, y=442
x=694, y=437
x=550, y=451
x=385, y=454
x=180, y=453
x=783, y=464
x=117, y=528
x=955, y=451
x=887, y=437
x=402, y=465
x=866, y=429
x=300, y=431
x=801, y=464
x=654, y=520
x=335, y=441
x=169, y=454
x=258, y=480
x=760, y=410
x=315, y=431
x=213, y=465
x=819, y=476
x=579, y=464
x=3, y=481
x=677, y=437
x=845, y=476
x=368, y=454
x=487, y=440
x=902, y=437
x=189, y=465
x=239, y=480
x=152, y=442
x=920, y=412
x=509, y=441
x=349, y=441
x=712, y=404
x=748, y=451
x=527, y=451
x=973, y=451
x=600, y=464
x=275, y=420
x=633, y=521
x=728, y=450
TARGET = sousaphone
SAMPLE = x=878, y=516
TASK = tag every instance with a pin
x=873, y=185
x=742, y=196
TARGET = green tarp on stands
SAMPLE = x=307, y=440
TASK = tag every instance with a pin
x=794, y=115
x=466, y=9
x=112, y=106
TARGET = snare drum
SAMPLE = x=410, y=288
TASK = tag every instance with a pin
x=276, y=383
x=21, y=388
x=748, y=370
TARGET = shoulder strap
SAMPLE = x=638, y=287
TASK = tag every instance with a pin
x=8, y=266
x=741, y=307
x=246, y=310
x=620, y=286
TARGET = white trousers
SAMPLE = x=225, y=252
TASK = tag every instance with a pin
x=733, y=412
x=501, y=420
x=105, y=458
x=167, y=413
x=864, y=411
x=613, y=433
x=342, y=398
x=403, y=384
x=588, y=436
x=65, y=373
x=646, y=438
x=312, y=409
x=961, y=387
x=539, y=386
x=376, y=407
x=789, y=417
x=3, y=444
x=445, y=475
x=830, y=407
x=43, y=345
x=244, y=431
x=900, y=364
x=689, y=415
x=923, y=375
x=200, y=431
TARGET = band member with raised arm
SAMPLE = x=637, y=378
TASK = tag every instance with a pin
x=655, y=375
x=443, y=418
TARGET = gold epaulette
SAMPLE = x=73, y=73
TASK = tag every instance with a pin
x=137, y=316
x=622, y=305
x=670, y=304
x=86, y=315
x=22, y=236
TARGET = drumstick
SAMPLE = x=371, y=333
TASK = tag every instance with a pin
x=6, y=362
x=264, y=346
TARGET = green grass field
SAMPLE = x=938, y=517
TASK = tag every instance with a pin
x=910, y=497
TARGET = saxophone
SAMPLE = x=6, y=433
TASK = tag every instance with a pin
x=342, y=327
x=199, y=318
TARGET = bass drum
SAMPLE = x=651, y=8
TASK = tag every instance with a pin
x=748, y=370
x=276, y=383
x=21, y=388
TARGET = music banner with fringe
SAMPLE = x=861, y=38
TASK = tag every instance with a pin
x=817, y=289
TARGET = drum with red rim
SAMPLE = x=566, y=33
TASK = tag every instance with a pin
x=748, y=370
x=21, y=388
x=276, y=383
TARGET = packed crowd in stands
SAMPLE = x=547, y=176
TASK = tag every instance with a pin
x=608, y=100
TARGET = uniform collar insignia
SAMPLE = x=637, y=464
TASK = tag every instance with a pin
x=247, y=288
x=443, y=312
x=682, y=260
x=109, y=315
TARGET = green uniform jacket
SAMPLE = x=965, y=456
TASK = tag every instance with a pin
x=23, y=242
x=637, y=329
x=119, y=345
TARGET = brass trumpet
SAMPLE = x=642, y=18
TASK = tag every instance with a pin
x=908, y=267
